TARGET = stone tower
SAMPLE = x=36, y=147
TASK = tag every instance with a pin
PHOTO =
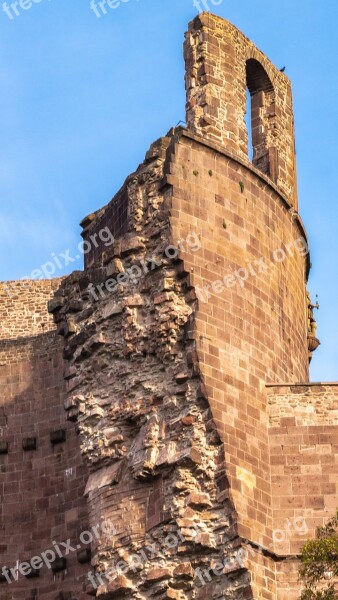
x=207, y=456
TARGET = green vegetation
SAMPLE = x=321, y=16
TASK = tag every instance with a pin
x=319, y=570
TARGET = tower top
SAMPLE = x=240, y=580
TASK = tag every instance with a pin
x=223, y=69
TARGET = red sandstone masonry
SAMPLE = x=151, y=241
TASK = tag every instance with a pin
x=303, y=440
x=181, y=416
x=232, y=321
x=220, y=63
x=41, y=490
x=146, y=430
x=23, y=307
x=233, y=373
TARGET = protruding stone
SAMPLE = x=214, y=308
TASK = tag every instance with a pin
x=55, y=304
x=185, y=569
x=120, y=585
x=104, y=477
x=131, y=244
x=158, y=574
x=199, y=500
x=111, y=309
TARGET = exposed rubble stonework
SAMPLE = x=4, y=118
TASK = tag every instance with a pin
x=146, y=429
x=208, y=456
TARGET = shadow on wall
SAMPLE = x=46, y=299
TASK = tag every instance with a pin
x=42, y=473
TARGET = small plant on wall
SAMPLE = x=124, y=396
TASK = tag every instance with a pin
x=319, y=570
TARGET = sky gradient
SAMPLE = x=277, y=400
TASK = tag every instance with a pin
x=82, y=98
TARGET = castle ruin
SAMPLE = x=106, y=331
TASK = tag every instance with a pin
x=162, y=412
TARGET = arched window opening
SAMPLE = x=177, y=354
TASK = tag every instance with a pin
x=260, y=118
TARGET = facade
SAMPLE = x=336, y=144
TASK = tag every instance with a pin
x=194, y=453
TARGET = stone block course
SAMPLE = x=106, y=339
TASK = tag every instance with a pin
x=36, y=491
x=165, y=392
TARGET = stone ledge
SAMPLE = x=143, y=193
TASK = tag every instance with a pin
x=303, y=384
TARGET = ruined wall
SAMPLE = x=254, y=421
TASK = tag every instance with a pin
x=41, y=483
x=23, y=308
x=145, y=424
x=175, y=341
x=156, y=358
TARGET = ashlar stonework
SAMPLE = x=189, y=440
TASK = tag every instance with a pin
x=190, y=422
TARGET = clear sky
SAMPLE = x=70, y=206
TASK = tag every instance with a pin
x=83, y=97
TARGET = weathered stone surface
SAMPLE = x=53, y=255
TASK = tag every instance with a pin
x=144, y=430
x=197, y=475
x=42, y=488
x=116, y=588
x=158, y=574
x=221, y=63
x=104, y=478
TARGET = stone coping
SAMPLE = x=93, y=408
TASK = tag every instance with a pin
x=303, y=384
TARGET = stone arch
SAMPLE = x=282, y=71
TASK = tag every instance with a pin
x=263, y=118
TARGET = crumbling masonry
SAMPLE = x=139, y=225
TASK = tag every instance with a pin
x=191, y=423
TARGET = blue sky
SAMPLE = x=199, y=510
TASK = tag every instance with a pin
x=82, y=98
